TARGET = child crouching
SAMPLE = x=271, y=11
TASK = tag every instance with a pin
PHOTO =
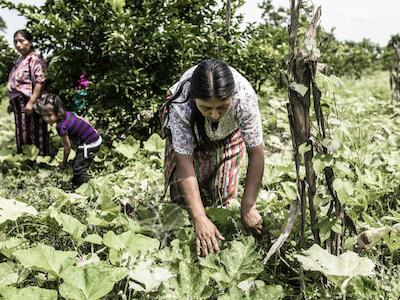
x=73, y=130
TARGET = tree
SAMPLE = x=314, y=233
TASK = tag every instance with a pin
x=7, y=55
x=2, y=24
x=132, y=51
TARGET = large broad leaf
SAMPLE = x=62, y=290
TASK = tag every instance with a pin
x=344, y=190
x=390, y=234
x=154, y=144
x=7, y=247
x=94, y=239
x=149, y=275
x=174, y=217
x=129, y=244
x=45, y=258
x=339, y=269
x=90, y=282
x=235, y=263
x=191, y=283
x=8, y=274
x=259, y=292
x=63, y=198
x=329, y=84
x=12, y=210
x=30, y=152
x=178, y=251
x=29, y=293
x=127, y=148
x=69, y=224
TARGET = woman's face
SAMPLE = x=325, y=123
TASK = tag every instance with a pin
x=213, y=109
x=22, y=45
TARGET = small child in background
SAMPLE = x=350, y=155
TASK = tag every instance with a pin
x=73, y=130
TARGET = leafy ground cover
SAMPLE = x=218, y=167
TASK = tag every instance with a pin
x=118, y=237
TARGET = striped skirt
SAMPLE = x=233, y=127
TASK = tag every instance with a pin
x=217, y=170
x=29, y=130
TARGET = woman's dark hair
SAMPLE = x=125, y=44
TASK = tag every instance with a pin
x=212, y=79
x=53, y=100
x=25, y=34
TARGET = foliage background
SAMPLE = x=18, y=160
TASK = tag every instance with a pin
x=131, y=59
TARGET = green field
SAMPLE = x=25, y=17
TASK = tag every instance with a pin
x=56, y=242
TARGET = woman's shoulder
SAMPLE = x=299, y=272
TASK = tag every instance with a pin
x=241, y=83
x=244, y=98
x=183, y=110
x=35, y=58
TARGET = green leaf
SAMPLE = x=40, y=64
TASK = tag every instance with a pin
x=129, y=243
x=343, y=167
x=344, y=189
x=43, y=159
x=299, y=88
x=30, y=151
x=8, y=274
x=149, y=275
x=90, y=282
x=29, y=293
x=235, y=263
x=303, y=148
x=174, y=217
x=257, y=290
x=127, y=148
x=154, y=144
x=392, y=240
x=332, y=145
x=190, y=284
x=329, y=84
x=12, y=210
x=339, y=269
x=390, y=234
x=178, y=251
x=325, y=226
x=7, y=247
x=69, y=224
x=117, y=5
x=45, y=258
x=94, y=239
x=321, y=161
x=289, y=190
x=62, y=198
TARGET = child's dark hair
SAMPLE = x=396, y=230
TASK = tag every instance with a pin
x=53, y=100
x=212, y=78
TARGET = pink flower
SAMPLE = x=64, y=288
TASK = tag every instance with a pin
x=83, y=83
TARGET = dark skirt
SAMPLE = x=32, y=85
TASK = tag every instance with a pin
x=29, y=130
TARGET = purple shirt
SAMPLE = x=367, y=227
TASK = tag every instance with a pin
x=78, y=130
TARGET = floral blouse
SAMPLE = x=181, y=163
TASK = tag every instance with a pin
x=26, y=72
x=243, y=114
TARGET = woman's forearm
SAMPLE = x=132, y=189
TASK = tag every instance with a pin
x=37, y=91
x=255, y=171
x=189, y=186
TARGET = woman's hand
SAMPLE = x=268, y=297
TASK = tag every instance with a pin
x=207, y=235
x=251, y=219
x=28, y=108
